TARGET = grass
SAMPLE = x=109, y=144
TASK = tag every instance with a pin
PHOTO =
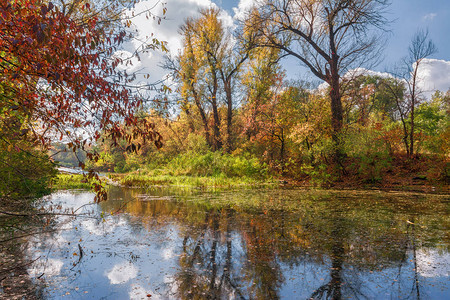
x=200, y=170
x=210, y=170
x=69, y=181
x=211, y=164
x=136, y=180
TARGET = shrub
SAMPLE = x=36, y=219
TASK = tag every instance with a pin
x=369, y=151
x=213, y=164
x=24, y=174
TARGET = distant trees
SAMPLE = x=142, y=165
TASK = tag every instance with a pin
x=61, y=80
x=291, y=126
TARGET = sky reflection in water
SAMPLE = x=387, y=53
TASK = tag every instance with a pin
x=290, y=244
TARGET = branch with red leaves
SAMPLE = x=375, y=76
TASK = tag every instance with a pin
x=60, y=77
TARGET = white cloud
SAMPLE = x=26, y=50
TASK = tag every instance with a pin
x=122, y=273
x=177, y=12
x=429, y=17
x=48, y=267
x=361, y=71
x=168, y=31
x=431, y=263
x=354, y=73
x=243, y=7
x=434, y=74
x=131, y=62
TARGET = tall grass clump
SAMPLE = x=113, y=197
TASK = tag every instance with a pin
x=216, y=164
x=207, y=169
x=70, y=181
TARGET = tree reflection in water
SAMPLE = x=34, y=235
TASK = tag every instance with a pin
x=242, y=250
x=19, y=223
x=290, y=244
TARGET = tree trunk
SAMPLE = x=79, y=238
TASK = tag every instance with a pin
x=336, y=103
x=411, y=134
x=229, y=140
x=336, y=110
x=283, y=170
x=202, y=114
x=217, y=142
x=413, y=105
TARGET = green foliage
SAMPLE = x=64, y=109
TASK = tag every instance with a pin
x=318, y=174
x=205, y=182
x=196, y=143
x=215, y=164
x=316, y=163
x=25, y=170
x=24, y=173
x=69, y=181
x=369, y=151
x=208, y=169
x=433, y=123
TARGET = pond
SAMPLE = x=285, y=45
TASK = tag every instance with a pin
x=243, y=244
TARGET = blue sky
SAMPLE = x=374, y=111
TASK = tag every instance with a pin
x=407, y=17
x=410, y=15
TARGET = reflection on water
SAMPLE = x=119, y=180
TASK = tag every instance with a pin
x=290, y=244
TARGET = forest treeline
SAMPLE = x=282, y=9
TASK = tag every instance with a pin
x=229, y=111
x=236, y=114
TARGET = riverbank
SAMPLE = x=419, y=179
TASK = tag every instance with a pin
x=134, y=180
x=392, y=182
x=65, y=181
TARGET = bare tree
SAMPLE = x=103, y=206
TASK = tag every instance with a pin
x=420, y=48
x=328, y=36
x=405, y=87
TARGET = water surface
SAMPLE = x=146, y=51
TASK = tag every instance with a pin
x=263, y=244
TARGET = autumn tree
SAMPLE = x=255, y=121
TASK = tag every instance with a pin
x=60, y=78
x=260, y=73
x=208, y=70
x=327, y=36
x=187, y=70
x=238, y=50
x=209, y=46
